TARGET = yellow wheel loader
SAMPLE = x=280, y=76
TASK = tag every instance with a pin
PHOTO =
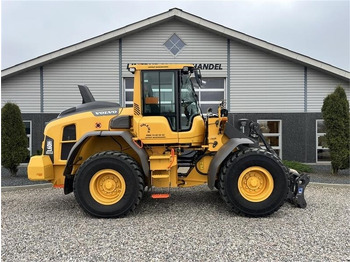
x=108, y=155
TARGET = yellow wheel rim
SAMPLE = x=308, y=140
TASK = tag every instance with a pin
x=107, y=186
x=255, y=184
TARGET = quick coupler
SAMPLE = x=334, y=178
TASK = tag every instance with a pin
x=297, y=185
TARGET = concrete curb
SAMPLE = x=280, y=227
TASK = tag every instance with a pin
x=329, y=184
x=48, y=185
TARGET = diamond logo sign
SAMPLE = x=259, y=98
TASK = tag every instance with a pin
x=174, y=44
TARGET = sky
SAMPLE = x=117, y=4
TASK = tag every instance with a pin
x=318, y=29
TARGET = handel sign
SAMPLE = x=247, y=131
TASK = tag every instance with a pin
x=208, y=66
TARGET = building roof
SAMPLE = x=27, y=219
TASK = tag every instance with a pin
x=176, y=13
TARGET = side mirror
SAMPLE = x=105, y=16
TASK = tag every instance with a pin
x=198, y=76
x=243, y=123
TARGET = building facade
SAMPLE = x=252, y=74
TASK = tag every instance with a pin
x=278, y=88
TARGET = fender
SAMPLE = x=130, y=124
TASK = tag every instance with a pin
x=220, y=156
x=124, y=134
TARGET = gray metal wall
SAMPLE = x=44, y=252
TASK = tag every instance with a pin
x=298, y=133
x=38, y=126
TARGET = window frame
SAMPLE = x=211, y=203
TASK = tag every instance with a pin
x=174, y=45
x=126, y=103
x=279, y=134
x=29, y=135
x=318, y=135
x=161, y=101
x=200, y=91
x=174, y=126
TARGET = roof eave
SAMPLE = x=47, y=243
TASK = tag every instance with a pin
x=196, y=20
x=255, y=42
x=113, y=35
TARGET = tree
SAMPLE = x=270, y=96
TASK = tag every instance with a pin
x=336, y=117
x=14, y=142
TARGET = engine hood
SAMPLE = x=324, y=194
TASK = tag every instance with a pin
x=98, y=108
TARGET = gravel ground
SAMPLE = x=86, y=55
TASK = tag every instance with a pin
x=20, y=180
x=192, y=225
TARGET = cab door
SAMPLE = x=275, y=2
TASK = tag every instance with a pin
x=159, y=122
x=191, y=122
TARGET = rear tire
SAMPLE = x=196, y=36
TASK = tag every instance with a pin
x=109, y=184
x=253, y=182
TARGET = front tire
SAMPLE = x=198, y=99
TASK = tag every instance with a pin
x=253, y=182
x=109, y=184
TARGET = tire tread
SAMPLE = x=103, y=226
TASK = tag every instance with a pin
x=232, y=160
x=125, y=158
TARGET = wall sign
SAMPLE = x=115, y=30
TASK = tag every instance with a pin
x=208, y=66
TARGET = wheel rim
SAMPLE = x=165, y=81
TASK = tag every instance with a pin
x=107, y=187
x=255, y=184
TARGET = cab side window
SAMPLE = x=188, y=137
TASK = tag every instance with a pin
x=159, y=95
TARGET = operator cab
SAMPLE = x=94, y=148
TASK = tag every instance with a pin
x=167, y=101
x=170, y=93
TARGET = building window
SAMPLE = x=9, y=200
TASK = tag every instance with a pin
x=322, y=151
x=128, y=91
x=174, y=44
x=209, y=95
x=28, y=127
x=272, y=131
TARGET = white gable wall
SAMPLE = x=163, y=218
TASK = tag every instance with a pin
x=97, y=68
x=259, y=81
x=319, y=85
x=24, y=90
x=147, y=46
x=262, y=82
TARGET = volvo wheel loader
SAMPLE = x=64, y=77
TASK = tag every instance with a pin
x=109, y=156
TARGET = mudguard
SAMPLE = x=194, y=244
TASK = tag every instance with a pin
x=124, y=134
x=220, y=156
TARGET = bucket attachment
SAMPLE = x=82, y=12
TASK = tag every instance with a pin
x=297, y=185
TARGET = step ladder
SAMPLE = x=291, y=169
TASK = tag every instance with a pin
x=161, y=180
x=162, y=175
x=160, y=195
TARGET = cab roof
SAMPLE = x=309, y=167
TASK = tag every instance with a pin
x=158, y=66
